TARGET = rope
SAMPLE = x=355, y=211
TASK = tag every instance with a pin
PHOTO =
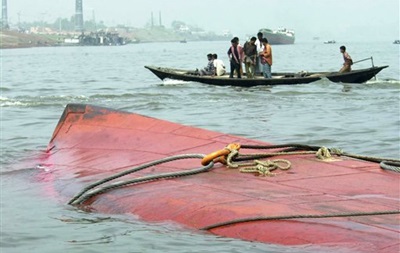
x=299, y=216
x=264, y=168
x=321, y=152
x=387, y=165
x=85, y=194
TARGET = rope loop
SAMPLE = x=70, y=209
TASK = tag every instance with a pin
x=221, y=155
x=264, y=168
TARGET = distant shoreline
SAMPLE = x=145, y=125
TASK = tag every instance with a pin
x=15, y=39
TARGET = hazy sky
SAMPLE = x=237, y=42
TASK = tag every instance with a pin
x=328, y=19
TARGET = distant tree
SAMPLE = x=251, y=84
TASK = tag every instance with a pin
x=196, y=29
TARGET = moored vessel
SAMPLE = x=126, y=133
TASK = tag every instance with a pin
x=279, y=36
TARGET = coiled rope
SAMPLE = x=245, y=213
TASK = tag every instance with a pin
x=298, y=216
x=322, y=153
x=88, y=193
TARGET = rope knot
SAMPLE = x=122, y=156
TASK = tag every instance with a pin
x=323, y=153
x=264, y=168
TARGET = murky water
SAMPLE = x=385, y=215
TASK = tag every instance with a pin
x=37, y=83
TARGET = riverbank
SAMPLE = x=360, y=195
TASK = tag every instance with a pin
x=14, y=39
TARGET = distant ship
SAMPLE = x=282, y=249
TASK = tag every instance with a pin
x=330, y=42
x=396, y=42
x=280, y=36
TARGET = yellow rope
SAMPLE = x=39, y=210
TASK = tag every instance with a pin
x=265, y=168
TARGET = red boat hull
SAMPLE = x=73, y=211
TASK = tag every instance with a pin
x=90, y=143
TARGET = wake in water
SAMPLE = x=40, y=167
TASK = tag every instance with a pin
x=174, y=82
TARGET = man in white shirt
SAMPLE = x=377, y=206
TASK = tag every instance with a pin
x=219, y=66
x=260, y=48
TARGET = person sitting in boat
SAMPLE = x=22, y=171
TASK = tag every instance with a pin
x=266, y=58
x=347, y=61
x=250, y=54
x=234, y=54
x=209, y=70
x=219, y=66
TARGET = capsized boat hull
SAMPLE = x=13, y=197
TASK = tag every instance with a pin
x=90, y=143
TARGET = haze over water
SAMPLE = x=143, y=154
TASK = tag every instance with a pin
x=341, y=20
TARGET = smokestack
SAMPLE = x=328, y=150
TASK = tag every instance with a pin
x=78, y=16
x=159, y=18
x=4, y=18
x=152, y=20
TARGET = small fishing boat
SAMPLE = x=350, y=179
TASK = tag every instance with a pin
x=355, y=76
x=116, y=162
x=193, y=76
x=330, y=42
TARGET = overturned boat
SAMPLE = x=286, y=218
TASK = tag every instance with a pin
x=355, y=76
x=116, y=162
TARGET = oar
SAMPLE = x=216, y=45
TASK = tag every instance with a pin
x=370, y=58
x=372, y=61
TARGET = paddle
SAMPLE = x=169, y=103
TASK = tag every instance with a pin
x=370, y=58
x=372, y=61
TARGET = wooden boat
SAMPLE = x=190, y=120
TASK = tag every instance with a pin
x=338, y=205
x=355, y=76
x=192, y=76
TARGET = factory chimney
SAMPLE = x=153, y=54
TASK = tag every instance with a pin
x=4, y=18
x=78, y=16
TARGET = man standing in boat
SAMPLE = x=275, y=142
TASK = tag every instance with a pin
x=260, y=48
x=266, y=58
x=250, y=54
x=234, y=55
x=347, y=61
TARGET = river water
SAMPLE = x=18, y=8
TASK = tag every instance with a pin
x=37, y=83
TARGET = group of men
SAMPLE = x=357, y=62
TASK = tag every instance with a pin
x=256, y=55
